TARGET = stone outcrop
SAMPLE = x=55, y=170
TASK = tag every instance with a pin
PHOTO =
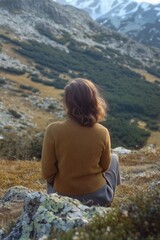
x=9, y=121
x=31, y=13
x=44, y=213
x=121, y=150
x=14, y=119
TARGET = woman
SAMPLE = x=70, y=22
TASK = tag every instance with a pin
x=76, y=154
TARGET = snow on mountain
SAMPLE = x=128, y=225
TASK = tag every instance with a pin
x=97, y=8
x=140, y=21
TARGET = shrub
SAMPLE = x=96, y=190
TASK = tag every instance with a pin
x=153, y=125
x=25, y=87
x=155, y=71
x=136, y=219
x=14, y=113
x=59, y=83
x=122, y=87
x=25, y=95
x=125, y=134
x=2, y=81
x=14, y=70
x=24, y=146
x=36, y=79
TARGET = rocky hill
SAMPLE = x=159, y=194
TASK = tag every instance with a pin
x=49, y=22
x=138, y=20
x=44, y=44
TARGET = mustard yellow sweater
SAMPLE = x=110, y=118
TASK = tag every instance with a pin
x=75, y=157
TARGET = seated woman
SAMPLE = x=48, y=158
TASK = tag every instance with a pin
x=76, y=154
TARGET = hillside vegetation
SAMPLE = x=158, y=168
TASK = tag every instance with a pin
x=130, y=97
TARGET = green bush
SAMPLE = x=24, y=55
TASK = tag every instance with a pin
x=59, y=83
x=25, y=87
x=25, y=95
x=36, y=79
x=154, y=71
x=14, y=113
x=14, y=70
x=128, y=94
x=24, y=146
x=137, y=219
x=125, y=134
x=2, y=81
x=153, y=125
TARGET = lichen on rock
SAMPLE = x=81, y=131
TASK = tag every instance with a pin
x=15, y=193
x=43, y=213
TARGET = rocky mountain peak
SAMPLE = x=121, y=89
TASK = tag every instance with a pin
x=45, y=8
x=46, y=21
x=138, y=20
x=38, y=19
x=17, y=5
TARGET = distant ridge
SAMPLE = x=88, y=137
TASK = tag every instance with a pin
x=141, y=21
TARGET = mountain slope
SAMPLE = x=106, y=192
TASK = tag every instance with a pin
x=95, y=8
x=141, y=21
x=48, y=44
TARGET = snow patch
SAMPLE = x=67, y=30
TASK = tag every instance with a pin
x=145, y=6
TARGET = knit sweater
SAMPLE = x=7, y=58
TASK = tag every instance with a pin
x=75, y=157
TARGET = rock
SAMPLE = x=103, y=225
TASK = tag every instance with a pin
x=15, y=193
x=154, y=185
x=121, y=150
x=43, y=213
x=1, y=234
x=24, y=121
x=1, y=137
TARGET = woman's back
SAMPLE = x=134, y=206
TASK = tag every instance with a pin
x=76, y=155
x=81, y=155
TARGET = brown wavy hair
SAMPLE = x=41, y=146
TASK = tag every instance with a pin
x=83, y=102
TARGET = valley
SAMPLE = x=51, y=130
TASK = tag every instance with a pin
x=36, y=67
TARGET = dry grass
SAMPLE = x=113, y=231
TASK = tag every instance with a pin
x=138, y=169
x=26, y=173
x=13, y=99
x=9, y=214
x=141, y=166
x=149, y=77
x=16, y=173
x=45, y=91
x=154, y=139
x=9, y=50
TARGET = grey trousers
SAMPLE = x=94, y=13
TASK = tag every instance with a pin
x=103, y=196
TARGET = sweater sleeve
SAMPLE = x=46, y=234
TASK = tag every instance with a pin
x=106, y=154
x=48, y=160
